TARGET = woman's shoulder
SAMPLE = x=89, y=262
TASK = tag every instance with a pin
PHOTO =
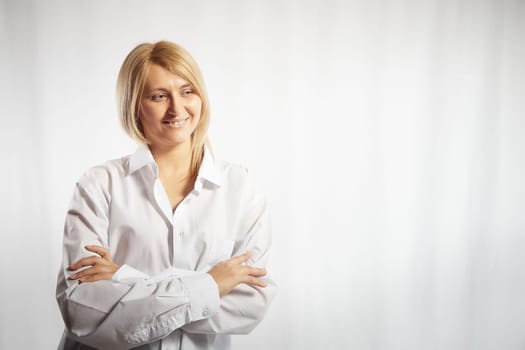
x=104, y=173
x=231, y=169
x=237, y=176
x=231, y=172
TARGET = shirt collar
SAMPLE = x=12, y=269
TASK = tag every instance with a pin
x=208, y=171
x=141, y=158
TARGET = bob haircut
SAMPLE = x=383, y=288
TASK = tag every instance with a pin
x=130, y=86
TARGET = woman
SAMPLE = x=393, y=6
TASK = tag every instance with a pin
x=164, y=248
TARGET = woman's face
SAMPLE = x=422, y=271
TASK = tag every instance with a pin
x=170, y=109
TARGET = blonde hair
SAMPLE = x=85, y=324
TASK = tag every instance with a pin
x=130, y=86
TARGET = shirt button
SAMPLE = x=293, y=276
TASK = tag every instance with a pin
x=205, y=312
x=181, y=233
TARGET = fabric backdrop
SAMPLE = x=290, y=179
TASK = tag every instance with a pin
x=387, y=135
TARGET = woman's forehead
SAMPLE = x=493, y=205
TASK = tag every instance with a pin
x=159, y=76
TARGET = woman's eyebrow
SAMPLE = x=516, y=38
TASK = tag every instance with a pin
x=158, y=88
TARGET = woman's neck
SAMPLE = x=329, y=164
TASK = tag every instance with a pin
x=173, y=162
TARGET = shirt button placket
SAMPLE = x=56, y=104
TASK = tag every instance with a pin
x=179, y=230
x=205, y=312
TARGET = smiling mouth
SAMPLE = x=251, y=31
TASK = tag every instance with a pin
x=176, y=123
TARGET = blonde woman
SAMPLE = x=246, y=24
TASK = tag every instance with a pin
x=165, y=248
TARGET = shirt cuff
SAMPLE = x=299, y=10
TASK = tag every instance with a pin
x=203, y=294
x=173, y=272
x=126, y=273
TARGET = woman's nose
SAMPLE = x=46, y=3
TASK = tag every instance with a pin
x=174, y=106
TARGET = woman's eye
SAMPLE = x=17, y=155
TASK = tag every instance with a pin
x=187, y=92
x=159, y=97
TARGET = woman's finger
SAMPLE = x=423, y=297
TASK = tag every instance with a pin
x=95, y=277
x=89, y=261
x=103, y=252
x=94, y=270
x=83, y=273
x=256, y=271
x=239, y=259
x=255, y=282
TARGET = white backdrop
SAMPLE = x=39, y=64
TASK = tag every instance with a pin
x=388, y=136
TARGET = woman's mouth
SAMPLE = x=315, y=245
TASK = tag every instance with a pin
x=176, y=123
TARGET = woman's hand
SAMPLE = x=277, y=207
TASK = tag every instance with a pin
x=101, y=267
x=229, y=273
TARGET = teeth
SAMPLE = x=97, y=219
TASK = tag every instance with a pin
x=177, y=123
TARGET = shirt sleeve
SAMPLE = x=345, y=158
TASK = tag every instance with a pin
x=114, y=314
x=245, y=306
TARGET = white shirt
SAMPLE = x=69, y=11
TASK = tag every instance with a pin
x=162, y=296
